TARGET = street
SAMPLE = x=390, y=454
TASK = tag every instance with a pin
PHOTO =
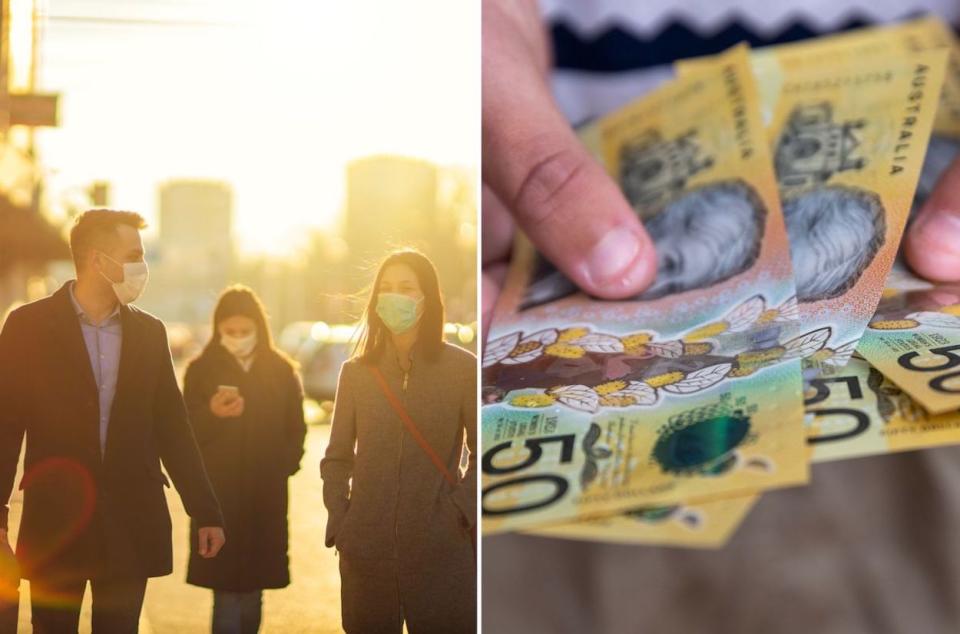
x=310, y=604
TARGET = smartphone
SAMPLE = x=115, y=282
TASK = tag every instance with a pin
x=230, y=390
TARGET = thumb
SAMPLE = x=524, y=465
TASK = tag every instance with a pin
x=932, y=243
x=562, y=198
x=203, y=545
x=493, y=276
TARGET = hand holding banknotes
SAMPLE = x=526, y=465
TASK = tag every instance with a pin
x=776, y=204
x=536, y=172
x=786, y=191
x=538, y=175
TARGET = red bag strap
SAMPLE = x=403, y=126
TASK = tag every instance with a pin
x=411, y=426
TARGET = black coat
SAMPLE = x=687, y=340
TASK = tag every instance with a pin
x=83, y=515
x=249, y=459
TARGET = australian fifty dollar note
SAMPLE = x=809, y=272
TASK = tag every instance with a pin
x=848, y=144
x=849, y=127
x=853, y=413
x=691, y=389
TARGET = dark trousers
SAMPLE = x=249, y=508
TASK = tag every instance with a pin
x=237, y=612
x=55, y=608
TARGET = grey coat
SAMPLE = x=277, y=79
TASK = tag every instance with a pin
x=399, y=507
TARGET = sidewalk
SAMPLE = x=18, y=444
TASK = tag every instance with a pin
x=310, y=604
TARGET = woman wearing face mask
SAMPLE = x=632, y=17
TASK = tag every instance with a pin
x=246, y=406
x=401, y=513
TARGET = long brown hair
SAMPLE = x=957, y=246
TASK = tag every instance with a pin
x=374, y=336
x=240, y=300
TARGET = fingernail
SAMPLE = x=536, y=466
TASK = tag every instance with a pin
x=611, y=258
x=936, y=243
x=942, y=228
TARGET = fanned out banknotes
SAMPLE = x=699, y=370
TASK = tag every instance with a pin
x=776, y=185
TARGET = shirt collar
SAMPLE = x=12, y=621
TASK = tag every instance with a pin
x=111, y=318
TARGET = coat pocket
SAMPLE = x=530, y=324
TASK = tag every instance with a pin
x=339, y=529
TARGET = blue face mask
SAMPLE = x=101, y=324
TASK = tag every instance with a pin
x=398, y=312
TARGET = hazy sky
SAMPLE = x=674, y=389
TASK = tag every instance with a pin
x=272, y=97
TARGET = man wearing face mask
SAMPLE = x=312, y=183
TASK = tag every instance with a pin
x=88, y=380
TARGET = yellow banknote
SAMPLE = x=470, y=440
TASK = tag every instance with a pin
x=914, y=339
x=690, y=390
x=772, y=64
x=859, y=412
x=848, y=145
x=849, y=131
x=708, y=524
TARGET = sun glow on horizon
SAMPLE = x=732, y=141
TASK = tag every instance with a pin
x=274, y=102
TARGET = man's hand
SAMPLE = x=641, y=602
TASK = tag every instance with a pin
x=211, y=541
x=932, y=244
x=537, y=173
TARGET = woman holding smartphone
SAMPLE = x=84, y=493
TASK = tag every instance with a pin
x=401, y=513
x=246, y=406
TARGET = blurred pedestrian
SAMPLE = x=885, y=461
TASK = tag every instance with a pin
x=401, y=513
x=89, y=380
x=246, y=405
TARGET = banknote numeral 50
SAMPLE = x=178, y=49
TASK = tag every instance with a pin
x=860, y=419
x=823, y=390
x=535, y=447
x=937, y=383
x=861, y=423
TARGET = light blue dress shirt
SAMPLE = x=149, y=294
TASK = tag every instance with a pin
x=103, y=343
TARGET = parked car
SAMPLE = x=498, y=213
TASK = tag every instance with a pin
x=321, y=349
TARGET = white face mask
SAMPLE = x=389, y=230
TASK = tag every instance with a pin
x=135, y=275
x=240, y=347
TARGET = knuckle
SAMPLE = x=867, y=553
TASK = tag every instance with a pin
x=548, y=180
